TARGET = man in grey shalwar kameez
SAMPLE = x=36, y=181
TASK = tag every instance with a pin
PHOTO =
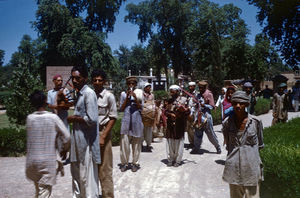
x=85, y=149
x=132, y=125
x=243, y=136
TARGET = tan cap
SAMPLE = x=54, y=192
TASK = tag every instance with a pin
x=202, y=83
x=131, y=78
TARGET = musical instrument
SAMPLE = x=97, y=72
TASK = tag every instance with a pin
x=148, y=112
x=199, y=119
x=64, y=97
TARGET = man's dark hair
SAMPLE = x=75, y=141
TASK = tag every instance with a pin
x=82, y=70
x=98, y=72
x=37, y=99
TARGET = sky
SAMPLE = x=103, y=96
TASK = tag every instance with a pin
x=16, y=15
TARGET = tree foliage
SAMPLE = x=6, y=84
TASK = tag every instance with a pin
x=170, y=18
x=281, y=23
x=70, y=41
x=100, y=15
x=23, y=81
x=136, y=59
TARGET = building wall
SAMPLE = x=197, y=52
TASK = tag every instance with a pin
x=64, y=71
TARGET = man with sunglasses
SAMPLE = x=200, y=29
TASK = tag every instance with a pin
x=243, y=136
x=132, y=126
x=85, y=151
x=107, y=110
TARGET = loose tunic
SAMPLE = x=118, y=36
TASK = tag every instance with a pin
x=107, y=107
x=280, y=106
x=85, y=134
x=51, y=99
x=176, y=128
x=148, y=112
x=132, y=120
x=43, y=129
x=243, y=165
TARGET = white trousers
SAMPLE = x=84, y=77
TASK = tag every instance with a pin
x=175, y=149
x=135, y=142
x=148, y=135
x=85, y=177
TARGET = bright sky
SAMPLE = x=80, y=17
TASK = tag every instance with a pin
x=15, y=17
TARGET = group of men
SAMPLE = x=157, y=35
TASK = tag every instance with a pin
x=95, y=112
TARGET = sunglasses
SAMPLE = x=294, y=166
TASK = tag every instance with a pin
x=98, y=80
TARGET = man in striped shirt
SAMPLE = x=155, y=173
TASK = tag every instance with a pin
x=43, y=128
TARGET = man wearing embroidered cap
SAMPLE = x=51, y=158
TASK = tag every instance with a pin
x=132, y=127
x=243, y=136
x=280, y=105
x=247, y=87
x=176, y=113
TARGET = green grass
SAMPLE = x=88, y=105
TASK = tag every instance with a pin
x=281, y=159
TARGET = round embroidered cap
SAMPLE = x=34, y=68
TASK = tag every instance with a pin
x=131, y=78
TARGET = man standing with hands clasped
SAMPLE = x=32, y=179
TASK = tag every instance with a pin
x=243, y=136
x=85, y=151
x=107, y=117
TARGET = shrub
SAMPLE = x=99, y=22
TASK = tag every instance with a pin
x=3, y=96
x=281, y=159
x=262, y=106
x=160, y=94
x=12, y=142
x=216, y=115
x=115, y=133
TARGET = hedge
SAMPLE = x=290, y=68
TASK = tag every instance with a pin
x=262, y=106
x=281, y=159
x=12, y=142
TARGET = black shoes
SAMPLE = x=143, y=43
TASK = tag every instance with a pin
x=123, y=168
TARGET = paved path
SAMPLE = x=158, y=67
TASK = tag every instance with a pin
x=199, y=176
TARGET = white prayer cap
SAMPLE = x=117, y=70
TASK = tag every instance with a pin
x=192, y=84
x=224, y=89
x=174, y=87
x=147, y=84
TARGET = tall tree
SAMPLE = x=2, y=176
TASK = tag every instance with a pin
x=135, y=59
x=100, y=15
x=281, y=23
x=217, y=38
x=169, y=19
x=70, y=41
x=23, y=81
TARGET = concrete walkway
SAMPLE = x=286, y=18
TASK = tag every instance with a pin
x=200, y=176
